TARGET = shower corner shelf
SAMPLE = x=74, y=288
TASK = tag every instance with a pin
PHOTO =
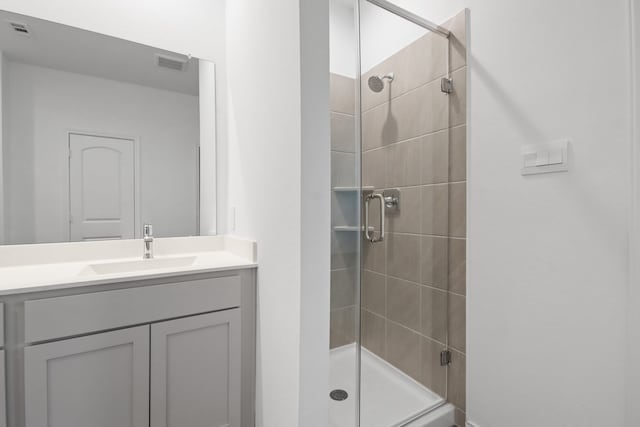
x=346, y=228
x=352, y=189
x=349, y=228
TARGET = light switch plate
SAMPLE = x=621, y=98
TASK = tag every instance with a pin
x=545, y=158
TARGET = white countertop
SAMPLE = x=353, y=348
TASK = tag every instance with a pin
x=34, y=268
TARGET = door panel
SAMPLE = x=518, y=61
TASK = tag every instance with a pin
x=195, y=371
x=99, y=381
x=102, y=188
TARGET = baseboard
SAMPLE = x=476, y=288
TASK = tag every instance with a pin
x=470, y=424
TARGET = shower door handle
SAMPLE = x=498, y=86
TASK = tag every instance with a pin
x=370, y=234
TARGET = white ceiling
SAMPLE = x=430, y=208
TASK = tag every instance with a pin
x=71, y=49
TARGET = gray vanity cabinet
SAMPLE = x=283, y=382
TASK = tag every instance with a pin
x=195, y=371
x=191, y=363
x=99, y=380
x=163, y=352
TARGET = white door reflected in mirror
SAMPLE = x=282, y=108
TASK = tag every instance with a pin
x=101, y=188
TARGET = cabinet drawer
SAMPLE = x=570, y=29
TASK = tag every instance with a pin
x=52, y=318
x=1, y=325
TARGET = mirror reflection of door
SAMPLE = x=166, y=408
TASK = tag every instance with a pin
x=101, y=188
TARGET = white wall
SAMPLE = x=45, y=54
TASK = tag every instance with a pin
x=184, y=26
x=342, y=38
x=264, y=192
x=384, y=34
x=43, y=105
x=279, y=180
x=548, y=254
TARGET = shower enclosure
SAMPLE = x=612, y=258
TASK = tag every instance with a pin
x=398, y=128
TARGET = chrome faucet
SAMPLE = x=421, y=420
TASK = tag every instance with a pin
x=147, y=231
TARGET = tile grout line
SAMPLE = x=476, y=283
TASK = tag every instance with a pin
x=422, y=335
x=433, y=287
x=434, y=133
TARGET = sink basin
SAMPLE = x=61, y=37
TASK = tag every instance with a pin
x=120, y=267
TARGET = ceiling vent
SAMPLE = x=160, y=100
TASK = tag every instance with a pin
x=171, y=63
x=20, y=28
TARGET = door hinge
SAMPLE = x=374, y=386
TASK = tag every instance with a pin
x=445, y=358
x=446, y=85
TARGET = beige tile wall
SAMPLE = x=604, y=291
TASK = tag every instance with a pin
x=414, y=139
x=343, y=212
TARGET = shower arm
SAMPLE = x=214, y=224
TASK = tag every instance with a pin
x=412, y=17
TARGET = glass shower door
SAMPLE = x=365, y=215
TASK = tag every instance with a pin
x=406, y=194
x=398, y=152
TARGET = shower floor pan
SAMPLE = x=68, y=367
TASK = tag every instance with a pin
x=389, y=397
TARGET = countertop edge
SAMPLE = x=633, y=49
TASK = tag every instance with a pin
x=30, y=289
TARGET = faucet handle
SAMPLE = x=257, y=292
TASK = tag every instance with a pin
x=147, y=230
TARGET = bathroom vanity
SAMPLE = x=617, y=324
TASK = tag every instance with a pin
x=103, y=323
x=93, y=335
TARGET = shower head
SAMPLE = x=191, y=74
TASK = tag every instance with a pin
x=376, y=83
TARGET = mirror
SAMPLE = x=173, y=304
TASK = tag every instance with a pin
x=99, y=136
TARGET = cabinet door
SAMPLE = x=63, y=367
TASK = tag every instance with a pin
x=195, y=371
x=100, y=380
x=3, y=411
